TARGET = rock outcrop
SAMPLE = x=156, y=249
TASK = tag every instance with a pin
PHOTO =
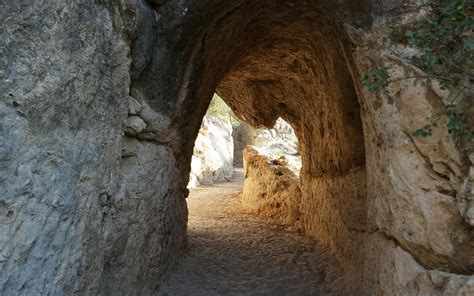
x=278, y=141
x=213, y=154
x=271, y=189
x=417, y=187
x=101, y=102
x=243, y=135
x=90, y=202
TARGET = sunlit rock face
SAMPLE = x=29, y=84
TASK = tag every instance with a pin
x=101, y=104
x=271, y=189
x=278, y=141
x=213, y=154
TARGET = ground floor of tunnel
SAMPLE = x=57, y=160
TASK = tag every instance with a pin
x=232, y=252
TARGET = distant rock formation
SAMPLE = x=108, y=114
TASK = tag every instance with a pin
x=275, y=142
x=213, y=154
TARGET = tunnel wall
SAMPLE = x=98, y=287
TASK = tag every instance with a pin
x=101, y=103
x=420, y=232
x=297, y=70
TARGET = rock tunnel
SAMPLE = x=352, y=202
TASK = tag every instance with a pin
x=112, y=136
x=270, y=60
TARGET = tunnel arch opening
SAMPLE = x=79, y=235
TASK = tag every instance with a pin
x=269, y=60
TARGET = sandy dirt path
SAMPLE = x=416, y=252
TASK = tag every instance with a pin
x=231, y=252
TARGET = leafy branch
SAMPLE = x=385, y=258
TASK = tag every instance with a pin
x=445, y=41
x=454, y=125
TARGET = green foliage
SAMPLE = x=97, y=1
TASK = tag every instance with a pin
x=455, y=125
x=446, y=43
x=424, y=132
x=218, y=107
x=444, y=40
x=376, y=80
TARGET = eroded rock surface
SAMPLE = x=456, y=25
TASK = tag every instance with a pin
x=101, y=103
x=418, y=187
x=271, y=189
x=278, y=141
x=243, y=135
x=213, y=154
x=84, y=209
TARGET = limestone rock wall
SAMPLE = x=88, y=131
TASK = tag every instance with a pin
x=418, y=188
x=88, y=204
x=271, y=189
x=213, y=154
x=279, y=141
x=243, y=135
x=101, y=102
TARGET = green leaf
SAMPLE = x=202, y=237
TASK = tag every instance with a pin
x=469, y=43
x=409, y=33
x=454, y=125
x=421, y=133
x=376, y=80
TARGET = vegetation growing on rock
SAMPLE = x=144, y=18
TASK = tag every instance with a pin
x=446, y=53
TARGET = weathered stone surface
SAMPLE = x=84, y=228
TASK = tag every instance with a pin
x=139, y=218
x=398, y=273
x=64, y=74
x=243, y=135
x=196, y=172
x=270, y=188
x=84, y=209
x=71, y=220
x=281, y=132
x=419, y=189
x=134, y=125
x=213, y=152
x=279, y=141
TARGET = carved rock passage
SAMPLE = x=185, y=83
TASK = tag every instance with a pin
x=232, y=252
x=101, y=103
x=296, y=69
